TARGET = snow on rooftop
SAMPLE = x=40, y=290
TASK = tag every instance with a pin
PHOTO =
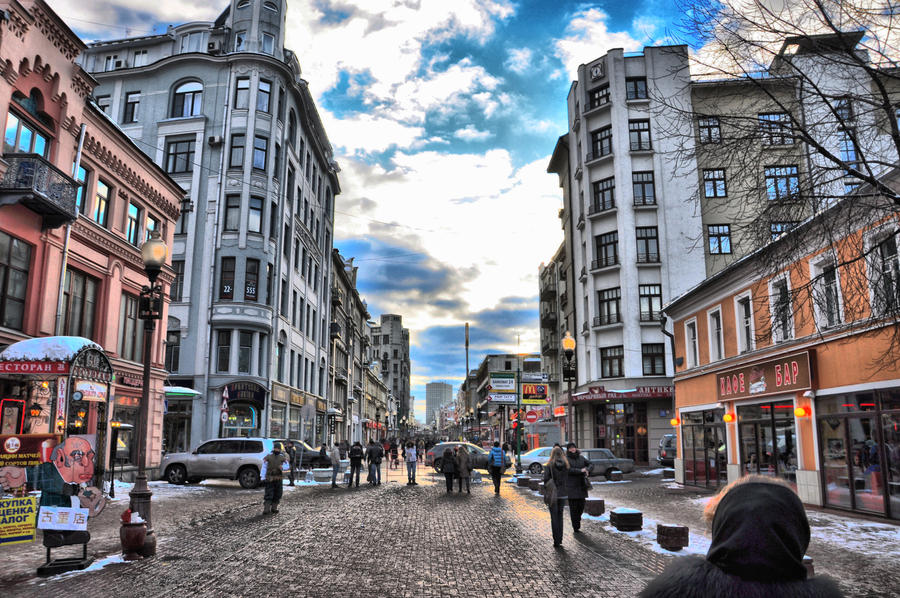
x=49, y=348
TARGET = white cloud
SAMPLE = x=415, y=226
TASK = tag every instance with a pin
x=588, y=38
x=115, y=19
x=470, y=133
x=519, y=60
x=368, y=133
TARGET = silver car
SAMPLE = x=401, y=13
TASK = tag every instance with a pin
x=534, y=460
x=604, y=462
x=232, y=458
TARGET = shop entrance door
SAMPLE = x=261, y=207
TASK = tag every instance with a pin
x=705, y=451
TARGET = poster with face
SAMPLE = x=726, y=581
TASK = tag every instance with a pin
x=74, y=458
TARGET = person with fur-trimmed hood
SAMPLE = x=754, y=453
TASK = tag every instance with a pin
x=273, y=476
x=759, y=536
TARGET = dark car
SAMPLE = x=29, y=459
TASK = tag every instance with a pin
x=310, y=456
x=477, y=455
x=668, y=450
x=604, y=462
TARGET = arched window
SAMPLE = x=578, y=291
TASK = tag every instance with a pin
x=243, y=4
x=292, y=128
x=270, y=6
x=187, y=100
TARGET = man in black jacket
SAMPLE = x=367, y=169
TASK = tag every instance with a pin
x=374, y=455
x=356, y=456
x=576, y=484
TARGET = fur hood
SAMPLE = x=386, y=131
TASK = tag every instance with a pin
x=695, y=577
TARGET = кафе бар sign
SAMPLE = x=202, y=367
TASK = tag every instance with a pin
x=790, y=373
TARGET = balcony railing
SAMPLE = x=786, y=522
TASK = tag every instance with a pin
x=591, y=156
x=651, y=316
x=584, y=327
x=641, y=146
x=35, y=183
x=605, y=262
x=606, y=320
x=548, y=319
x=644, y=201
x=563, y=299
x=648, y=258
x=597, y=208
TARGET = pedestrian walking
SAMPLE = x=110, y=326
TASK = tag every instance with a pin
x=448, y=467
x=759, y=536
x=410, y=457
x=355, y=453
x=395, y=462
x=323, y=455
x=496, y=465
x=463, y=468
x=557, y=470
x=577, y=484
x=335, y=457
x=291, y=454
x=273, y=477
x=374, y=456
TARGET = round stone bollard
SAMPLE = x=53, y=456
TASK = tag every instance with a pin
x=523, y=482
x=626, y=520
x=672, y=537
x=615, y=476
x=534, y=483
x=594, y=506
x=808, y=563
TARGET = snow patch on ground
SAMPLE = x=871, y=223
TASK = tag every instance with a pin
x=608, y=482
x=856, y=535
x=673, y=485
x=697, y=544
x=95, y=566
x=658, y=471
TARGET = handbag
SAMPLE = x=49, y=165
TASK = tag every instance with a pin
x=550, y=492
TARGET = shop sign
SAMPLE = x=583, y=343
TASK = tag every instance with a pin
x=502, y=398
x=126, y=379
x=535, y=377
x=27, y=450
x=17, y=519
x=559, y=412
x=89, y=391
x=503, y=382
x=786, y=374
x=249, y=392
x=34, y=367
x=534, y=394
x=599, y=393
x=320, y=405
x=280, y=393
x=61, y=388
x=297, y=398
x=123, y=401
x=92, y=364
x=63, y=519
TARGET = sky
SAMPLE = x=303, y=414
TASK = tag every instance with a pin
x=442, y=116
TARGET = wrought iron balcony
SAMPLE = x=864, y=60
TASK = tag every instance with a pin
x=337, y=296
x=35, y=183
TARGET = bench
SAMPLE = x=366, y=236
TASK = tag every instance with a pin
x=57, y=539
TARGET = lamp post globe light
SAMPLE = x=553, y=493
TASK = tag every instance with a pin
x=154, y=254
x=568, y=347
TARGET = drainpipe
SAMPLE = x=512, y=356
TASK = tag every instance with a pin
x=662, y=323
x=58, y=329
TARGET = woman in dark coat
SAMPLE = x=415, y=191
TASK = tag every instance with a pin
x=557, y=469
x=576, y=484
x=448, y=466
x=759, y=536
x=463, y=468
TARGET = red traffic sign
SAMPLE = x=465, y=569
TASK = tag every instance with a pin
x=531, y=417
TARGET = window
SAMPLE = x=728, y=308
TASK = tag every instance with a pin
x=132, y=103
x=782, y=183
x=22, y=137
x=192, y=42
x=112, y=62
x=260, y=151
x=296, y=306
x=285, y=304
x=650, y=296
x=245, y=348
x=255, y=215
x=263, y=95
x=886, y=289
x=181, y=225
x=270, y=6
x=639, y=135
x=714, y=183
x=232, y=212
x=101, y=204
x=611, y=362
x=642, y=188
x=79, y=304
x=276, y=163
x=180, y=157
x=599, y=97
x=847, y=147
x=609, y=303
x=690, y=334
x=251, y=281
x=242, y=93
x=187, y=100
x=240, y=41
x=292, y=131
x=604, y=195
x=719, y=238
x=139, y=58
x=270, y=280
x=744, y=314
x=104, y=103
x=607, y=248
x=267, y=43
x=273, y=221
x=82, y=179
x=176, y=291
x=636, y=88
x=226, y=288
x=236, y=159
x=282, y=106
x=150, y=224
x=173, y=350
x=133, y=225
x=779, y=228
x=647, y=244
x=709, y=128
x=826, y=296
x=843, y=109
x=775, y=129
x=223, y=350
x=601, y=141
x=653, y=359
x=286, y=242
x=297, y=254
x=131, y=333
x=716, y=350
x=780, y=298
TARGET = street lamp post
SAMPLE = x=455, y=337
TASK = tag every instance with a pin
x=518, y=413
x=568, y=347
x=154, y=253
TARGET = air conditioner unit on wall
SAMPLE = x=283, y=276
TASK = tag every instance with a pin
x=120, y=64
x=215, y=140
x=214, y=47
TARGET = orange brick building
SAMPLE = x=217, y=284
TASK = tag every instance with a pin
x=791, y=370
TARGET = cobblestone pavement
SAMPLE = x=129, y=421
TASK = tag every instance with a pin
x=397, y=541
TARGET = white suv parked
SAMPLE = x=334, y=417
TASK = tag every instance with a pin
x=232, y=458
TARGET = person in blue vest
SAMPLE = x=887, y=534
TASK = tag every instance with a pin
x=496, y=465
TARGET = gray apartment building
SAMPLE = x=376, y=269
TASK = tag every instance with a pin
x=223, y=108
x=390, y=347
x=437, y=396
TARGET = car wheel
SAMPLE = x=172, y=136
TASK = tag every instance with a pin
x=437, y=465
x=248, y=477
x=535, y=468
x=608, y=472
x=176, y=474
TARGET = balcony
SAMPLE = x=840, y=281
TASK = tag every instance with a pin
x=584, y=328
x=645, y=202
x=605, y=262
x=579, y=170
x=38, y=185
x=548, y=319
x=337, y=296
x=335, y=330
x=596, y=156
x=576, y=124
x=648, y=258
x=595, y=209
x=548, y=292
x=606, y=320
x=582, y=276
x=651, y=317
x=563, y=299
x=580, y=224
x=340, y=374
